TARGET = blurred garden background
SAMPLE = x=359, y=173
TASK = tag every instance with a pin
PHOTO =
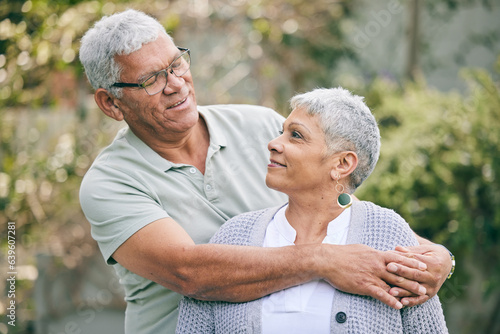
x=429, y=70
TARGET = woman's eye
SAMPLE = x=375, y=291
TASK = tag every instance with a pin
x=296, y=134
x=280, y=132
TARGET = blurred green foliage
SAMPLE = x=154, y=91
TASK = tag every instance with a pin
x=439, y=165
x=39, y=39
x=439, y=168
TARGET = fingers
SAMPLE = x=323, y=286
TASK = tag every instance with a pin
x=407, y=259
x=412, y=301
x=407, y=298
x=408, y=273
x=401, y=293
x=402, y=249
x=380, y=269
x=407, y=284
x=382, y=295
x=429, y=279
x=420, y=249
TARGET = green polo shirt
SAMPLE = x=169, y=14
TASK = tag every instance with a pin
x=129, y=186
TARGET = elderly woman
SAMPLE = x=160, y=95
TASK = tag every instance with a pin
x=329, y=146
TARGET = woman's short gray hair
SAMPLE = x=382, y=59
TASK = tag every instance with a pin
x=118, y=34
x=348, y=125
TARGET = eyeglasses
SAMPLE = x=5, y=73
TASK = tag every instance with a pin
x=158, y=81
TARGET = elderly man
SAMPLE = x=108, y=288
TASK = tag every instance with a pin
x=157, y=194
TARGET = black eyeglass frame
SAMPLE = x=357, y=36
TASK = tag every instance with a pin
x=167, y=70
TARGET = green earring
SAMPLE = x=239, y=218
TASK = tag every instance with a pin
x=344, y=200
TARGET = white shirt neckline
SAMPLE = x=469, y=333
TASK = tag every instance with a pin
x=335, y=234
x=305, y=308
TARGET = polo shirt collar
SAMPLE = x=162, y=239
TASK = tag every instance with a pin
x=217, y=137
x=217, y=140
x=147, y=152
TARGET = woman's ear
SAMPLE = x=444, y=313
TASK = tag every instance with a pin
x=334, y=175
x=345, y=163
x=107, y=103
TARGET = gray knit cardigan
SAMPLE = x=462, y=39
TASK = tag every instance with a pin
x=371, y=225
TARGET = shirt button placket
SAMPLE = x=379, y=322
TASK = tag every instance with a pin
x=210, y=192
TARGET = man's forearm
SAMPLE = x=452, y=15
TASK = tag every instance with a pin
x=238, y=273
x=164, y=253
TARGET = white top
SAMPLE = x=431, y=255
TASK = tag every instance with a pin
x=305, y=308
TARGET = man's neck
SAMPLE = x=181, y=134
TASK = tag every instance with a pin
x=189, y=148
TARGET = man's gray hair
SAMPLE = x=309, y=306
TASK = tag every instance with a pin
x=118, y=34
x=348, y=125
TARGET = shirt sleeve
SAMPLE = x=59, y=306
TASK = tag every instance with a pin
x=117, y=205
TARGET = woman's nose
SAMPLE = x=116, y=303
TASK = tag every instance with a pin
x=275, y=145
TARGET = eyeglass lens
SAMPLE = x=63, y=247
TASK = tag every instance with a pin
x=157, y=82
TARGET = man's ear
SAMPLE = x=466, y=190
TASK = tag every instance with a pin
x=345, y=163
x=107, y=104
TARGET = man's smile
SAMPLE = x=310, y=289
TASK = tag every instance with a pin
x=178, y=103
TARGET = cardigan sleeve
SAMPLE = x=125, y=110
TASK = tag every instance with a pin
x=384, y=229
x=426, y=318
x=387, y=229
x=195, y=317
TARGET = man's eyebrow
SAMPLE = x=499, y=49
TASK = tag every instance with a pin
x=149, y=74
x=143, y=77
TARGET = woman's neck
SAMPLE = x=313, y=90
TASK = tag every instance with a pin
x=310, y=217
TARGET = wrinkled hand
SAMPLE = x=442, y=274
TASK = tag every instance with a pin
x=438, y=264
x=362, y=270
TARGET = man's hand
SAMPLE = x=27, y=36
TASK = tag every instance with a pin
x=363, y=271
x=438, y=264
